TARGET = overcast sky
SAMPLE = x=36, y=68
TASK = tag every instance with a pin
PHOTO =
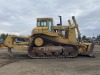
x=19, y=16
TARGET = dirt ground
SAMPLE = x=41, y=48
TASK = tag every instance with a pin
x=22, y=65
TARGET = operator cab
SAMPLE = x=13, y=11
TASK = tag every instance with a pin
x=45, y=22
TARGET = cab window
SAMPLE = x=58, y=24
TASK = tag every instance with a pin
x=38, y=23
x=41, y=23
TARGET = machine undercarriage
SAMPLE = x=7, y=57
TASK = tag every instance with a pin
x=52, y=49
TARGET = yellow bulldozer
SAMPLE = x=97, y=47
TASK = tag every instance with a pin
x=48, y=40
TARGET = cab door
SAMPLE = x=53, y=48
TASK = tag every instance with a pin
x=50, y=25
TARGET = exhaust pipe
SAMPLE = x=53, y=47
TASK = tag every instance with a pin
x=60, y=21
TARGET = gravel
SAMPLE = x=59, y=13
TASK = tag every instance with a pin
x=20, y=64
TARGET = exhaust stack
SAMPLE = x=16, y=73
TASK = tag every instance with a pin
x=60, y=21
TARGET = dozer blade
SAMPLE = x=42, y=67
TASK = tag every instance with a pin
x=90, y=50
x=87, y=49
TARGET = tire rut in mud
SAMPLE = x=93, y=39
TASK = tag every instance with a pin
x=5, y=59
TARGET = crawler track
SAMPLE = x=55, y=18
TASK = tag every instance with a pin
x=68, y=50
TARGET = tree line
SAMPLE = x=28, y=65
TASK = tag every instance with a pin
x=3, y=36
x=96, y=38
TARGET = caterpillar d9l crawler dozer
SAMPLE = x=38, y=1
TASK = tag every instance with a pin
x=48, y=41
x=58, y=41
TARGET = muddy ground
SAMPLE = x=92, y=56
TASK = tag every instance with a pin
x=20, y=64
